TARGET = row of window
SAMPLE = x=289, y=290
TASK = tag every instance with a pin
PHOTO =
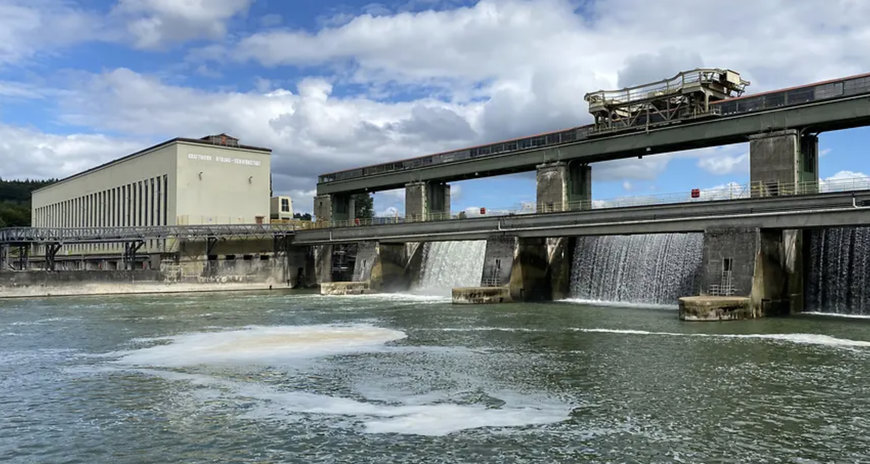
x=141, y=203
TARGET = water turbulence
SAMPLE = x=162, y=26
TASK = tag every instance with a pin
x=447, y=265
x=838, y=275
x=189, y=358
x=650, y=269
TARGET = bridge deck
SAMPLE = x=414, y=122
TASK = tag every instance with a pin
x=831, y=105
x=791, y=212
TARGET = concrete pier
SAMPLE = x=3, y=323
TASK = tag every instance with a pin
x=715, y=308
x=345, y=288
x=334, y=207
x=481, y=295
x=563, y=186
x=761, y=265
x=783, y=162
x=427, y=201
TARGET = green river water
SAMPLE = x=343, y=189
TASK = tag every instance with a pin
x=294, y=377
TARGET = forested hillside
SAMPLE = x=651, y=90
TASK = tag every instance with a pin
x=15, y=201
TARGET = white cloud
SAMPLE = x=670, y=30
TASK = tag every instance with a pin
x=845, y=180
x=311, y=131
x=721, y=164
x=154, y=24
x=28, y=153
x=493, y=70
x=31, y=27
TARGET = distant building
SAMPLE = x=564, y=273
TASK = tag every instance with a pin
x=212, y=180
x=281, y=208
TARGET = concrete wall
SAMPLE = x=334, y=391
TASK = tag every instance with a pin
x=738, y=245
x=221, y=185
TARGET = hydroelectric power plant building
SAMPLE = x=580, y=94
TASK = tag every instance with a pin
x=212, y=180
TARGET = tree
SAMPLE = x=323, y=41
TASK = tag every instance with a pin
x=304, y=217
x=15, y=201
x=364, y=206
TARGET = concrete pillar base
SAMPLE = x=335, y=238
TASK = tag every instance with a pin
x=715, y=308
x=481, y=295
x=760, y=265
x=345, y=288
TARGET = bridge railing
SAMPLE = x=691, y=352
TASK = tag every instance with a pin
x=731, y=191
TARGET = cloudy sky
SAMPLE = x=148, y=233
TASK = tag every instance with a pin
x=331, y=85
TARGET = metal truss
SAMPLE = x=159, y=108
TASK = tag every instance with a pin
x=81, y=235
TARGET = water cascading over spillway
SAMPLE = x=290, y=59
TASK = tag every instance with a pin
x=651, y=269
x=447, y=265
x=838, y=272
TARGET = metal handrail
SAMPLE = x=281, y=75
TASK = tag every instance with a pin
x=758, y=189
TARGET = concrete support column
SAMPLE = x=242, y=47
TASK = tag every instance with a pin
x=4, y=258
x=427, y=201
x=529, y=277
x=783, y=163
x=388, y=272
x=564, y=186
x=323, y=263
x=323, y=208
x=334, y=208
x=300, y=266
x=498, y=261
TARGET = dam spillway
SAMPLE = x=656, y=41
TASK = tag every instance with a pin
x=652, y=269
x=446, y=265
x=838, y=272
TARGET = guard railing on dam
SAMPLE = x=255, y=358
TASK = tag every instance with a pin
x=731, y=191
x=719, y=194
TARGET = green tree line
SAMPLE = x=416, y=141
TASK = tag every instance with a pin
x=15, y=201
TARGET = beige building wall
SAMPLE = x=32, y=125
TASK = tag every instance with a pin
x=222, y=185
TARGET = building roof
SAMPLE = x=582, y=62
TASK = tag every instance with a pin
x=221, y=140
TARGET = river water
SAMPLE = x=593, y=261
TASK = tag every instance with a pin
x=289, y=377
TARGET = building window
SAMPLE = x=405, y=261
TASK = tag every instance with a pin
x=285, y=205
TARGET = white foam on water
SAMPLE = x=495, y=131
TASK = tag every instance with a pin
x=408, y=297
x=848, y=316
x=415, y=419
x=618, y=304
x=260, y=345
x=800, y=338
